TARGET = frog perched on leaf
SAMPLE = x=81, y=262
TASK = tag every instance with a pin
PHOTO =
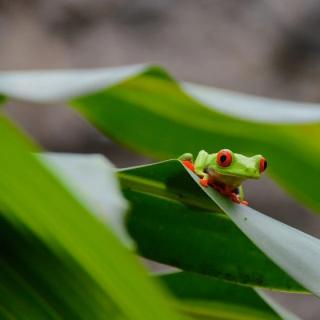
x=225, y=171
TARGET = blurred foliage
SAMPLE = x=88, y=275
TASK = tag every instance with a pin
x=63, y=262
x=172, y=218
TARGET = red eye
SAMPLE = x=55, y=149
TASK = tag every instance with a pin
x=263, y=164
x=224, y=158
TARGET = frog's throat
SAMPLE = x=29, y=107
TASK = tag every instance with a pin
x=221, y=174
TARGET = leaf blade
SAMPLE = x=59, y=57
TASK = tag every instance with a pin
x=35, y=203
x=206, y=297
x=182, y=234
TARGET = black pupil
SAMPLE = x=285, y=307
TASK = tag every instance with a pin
x=223, y=158
x=265, y=164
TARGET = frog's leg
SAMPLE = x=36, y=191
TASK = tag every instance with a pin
x=199, y=167
x=187, y=160
x=241, y=193
x=186, y=156
x=241, y=196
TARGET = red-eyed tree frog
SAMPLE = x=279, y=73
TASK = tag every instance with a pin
x=225, y=171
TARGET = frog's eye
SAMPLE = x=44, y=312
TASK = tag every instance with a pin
x=224, y=158
x=263, y=164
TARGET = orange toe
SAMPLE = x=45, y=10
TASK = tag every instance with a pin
x=204, y=182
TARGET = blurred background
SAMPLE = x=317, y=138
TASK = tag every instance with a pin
x=269, y=48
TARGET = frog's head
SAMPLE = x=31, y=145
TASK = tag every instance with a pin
x=227, y=163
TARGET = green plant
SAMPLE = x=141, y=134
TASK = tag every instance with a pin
x=59, y=261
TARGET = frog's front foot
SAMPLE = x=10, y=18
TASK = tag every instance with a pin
x=235, y=198
x=204, y=182
x=244, y=202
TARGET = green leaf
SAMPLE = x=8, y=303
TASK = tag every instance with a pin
x=66, y=260
x=207, y=298
x=173, y=222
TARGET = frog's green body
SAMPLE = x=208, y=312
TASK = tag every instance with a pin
x=225, y=170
